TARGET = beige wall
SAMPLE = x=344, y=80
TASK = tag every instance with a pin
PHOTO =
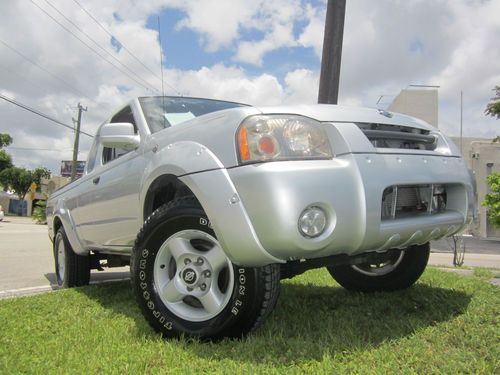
x=483, y=157
x=420, y=103
x=485, y=160
x=54, y=183
x=4, y=202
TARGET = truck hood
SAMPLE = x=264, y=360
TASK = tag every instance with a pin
x=337, y=113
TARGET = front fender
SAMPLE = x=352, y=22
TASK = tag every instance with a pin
x=229, y=218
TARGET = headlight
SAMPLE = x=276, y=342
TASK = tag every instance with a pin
x=282, y=137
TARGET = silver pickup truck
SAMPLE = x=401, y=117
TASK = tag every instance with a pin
x=212, y=203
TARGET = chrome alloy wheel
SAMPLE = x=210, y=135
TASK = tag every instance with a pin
x=380, y=269
x=61, y=258
x=193, y=276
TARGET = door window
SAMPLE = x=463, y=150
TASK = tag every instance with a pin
x=112, y=153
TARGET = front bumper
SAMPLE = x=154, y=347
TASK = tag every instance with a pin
x=261, y=226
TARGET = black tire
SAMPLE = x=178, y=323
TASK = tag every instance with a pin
x=406, y=268
x=249, y=300
x=76, y=268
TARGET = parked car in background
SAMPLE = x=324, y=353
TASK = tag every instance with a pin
x=213, y=202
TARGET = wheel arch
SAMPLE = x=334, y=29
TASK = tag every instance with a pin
x=57, y=223
x=162, y=181
x=62, y=219
x=164, y=189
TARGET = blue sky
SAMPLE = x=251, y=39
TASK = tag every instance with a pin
x=183, y=48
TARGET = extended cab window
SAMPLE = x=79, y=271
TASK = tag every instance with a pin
x=125, y=115
x=92, y=154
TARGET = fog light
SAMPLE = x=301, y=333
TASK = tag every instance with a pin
x=312, y=222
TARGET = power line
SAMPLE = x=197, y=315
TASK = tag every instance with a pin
x=95, y=42
x=43, y=69
x=124, y=47
x=25, y=107
x=112, y=36
x=43, y=89
x=38, y=149
x=72, y=88
x=91, y=48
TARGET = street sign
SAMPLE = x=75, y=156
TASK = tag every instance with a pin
x=33, y=187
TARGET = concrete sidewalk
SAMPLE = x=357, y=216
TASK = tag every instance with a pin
x=443, y=260
x=470, y=260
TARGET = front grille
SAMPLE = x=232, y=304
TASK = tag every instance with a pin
x=395, y=136
x=399, y=201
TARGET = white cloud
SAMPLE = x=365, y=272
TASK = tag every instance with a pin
x=218, y=22
x=302, y=87
x=450, y=43
x=228, y=83
x=312, y=35
x=221, y=23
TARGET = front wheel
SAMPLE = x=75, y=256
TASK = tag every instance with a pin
x=186, y=285
x=399, y=271
x=71, y=269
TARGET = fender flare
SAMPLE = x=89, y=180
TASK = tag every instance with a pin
x=64, y=215
x=177, y=159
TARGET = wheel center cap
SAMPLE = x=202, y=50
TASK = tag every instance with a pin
x=189, y=276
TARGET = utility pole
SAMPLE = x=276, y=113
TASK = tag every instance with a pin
x=77, y=140
x=332, y=52
x=461, y=121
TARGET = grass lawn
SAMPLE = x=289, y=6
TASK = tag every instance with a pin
x=446, y=323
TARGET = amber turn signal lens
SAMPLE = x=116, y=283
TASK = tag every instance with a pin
x=243, y=142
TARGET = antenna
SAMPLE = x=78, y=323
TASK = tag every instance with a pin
x=161, y=58
x=461, y=120
x=161, y=68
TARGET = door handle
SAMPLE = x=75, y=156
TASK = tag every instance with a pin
x=96, y=180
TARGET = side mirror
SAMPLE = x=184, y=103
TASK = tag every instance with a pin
x=119, y=135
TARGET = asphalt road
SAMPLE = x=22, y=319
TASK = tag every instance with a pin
x=26, y=260
x=27, y=265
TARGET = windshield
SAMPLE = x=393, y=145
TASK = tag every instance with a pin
x=163, y=112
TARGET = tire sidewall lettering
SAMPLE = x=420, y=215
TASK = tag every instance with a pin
x=148, y=292
x=205, y=222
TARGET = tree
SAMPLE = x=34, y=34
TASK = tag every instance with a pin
x=39, y=212
x=5, y=140
x=493, y=107
x=5, y=158
x=492, y=199
x=38, y=174
x=19, y=179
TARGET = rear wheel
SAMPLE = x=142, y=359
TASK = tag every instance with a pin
x=186, y=285
x=71, y=269
x=398, y=271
